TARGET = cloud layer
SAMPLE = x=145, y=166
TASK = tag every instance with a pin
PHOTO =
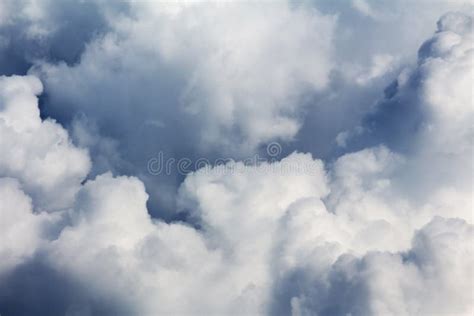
x=378, y=222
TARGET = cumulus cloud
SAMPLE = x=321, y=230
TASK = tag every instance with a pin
x=269, y=242
x=201, y=92
x=32, y=30
x=21, y=230
x=243, y=94
x=37, y=153
x=427, y=112
x=369, y=50
x=382, y=229
x=230, y=98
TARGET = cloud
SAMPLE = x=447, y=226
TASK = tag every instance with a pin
x=210, y=94
x=269, y=241
x=385, y=229
x=420, y=103
x=40, y=154
x=230, y=98
x=20, y=230
x=418, y=281
x=244, y=94
x=32, y=30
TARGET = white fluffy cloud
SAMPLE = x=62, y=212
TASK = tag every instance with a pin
x=269, y=242
x=235, y=95
x=21, y=231
x=37, y=153
x=418, y=281
x=40, y=171
x=373, y=232
x=201, y=91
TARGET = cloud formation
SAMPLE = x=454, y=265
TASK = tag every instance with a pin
x=382, y=228
x=198, y=69
x=38, y=153
x=201, y=92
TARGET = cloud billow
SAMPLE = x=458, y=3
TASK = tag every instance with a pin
x=383, y=227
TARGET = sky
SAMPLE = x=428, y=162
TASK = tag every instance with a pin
x=236, y=158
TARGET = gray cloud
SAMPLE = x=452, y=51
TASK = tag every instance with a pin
x=383, y=226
